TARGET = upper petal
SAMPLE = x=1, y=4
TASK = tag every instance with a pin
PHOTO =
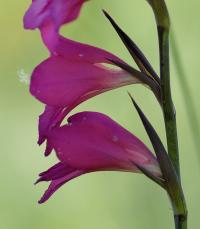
x=61, y=82
x=57, y=12
x=82, y=52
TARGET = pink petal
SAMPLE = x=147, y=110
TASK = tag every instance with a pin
x=57, y=12
x=92, y=141
x=57, y=183
x=45, y=119
x=61, y=82
x=81, y=52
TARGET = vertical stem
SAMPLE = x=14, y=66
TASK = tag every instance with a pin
x=168, y=107
x=180, y=222
x=174, y=190
x=170, y=116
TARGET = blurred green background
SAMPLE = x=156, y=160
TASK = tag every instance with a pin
x=99, y=200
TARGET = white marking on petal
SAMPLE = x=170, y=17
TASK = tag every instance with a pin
x=153, y=168
x=135, y=154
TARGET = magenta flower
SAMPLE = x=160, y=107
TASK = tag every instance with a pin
x=75, y=71
x=93, y=142
x=63, y=84
x=49, y=15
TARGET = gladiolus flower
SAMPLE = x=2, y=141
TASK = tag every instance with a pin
x=63, y=84
x=93, y=142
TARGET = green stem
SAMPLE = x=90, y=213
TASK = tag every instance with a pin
x=174, y=189
x=163, y=26
x=187, y=97
x=168, y=107
x=170, y=117
x=180, y=222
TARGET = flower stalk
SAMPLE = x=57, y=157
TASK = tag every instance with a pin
x=175, y=192
x=168, y=106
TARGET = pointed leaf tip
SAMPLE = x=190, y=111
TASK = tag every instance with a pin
x=134, y=50
x=166, y=166
x=172, y=183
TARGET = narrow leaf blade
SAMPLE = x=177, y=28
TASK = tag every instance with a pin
x=134, y=50
x=165, y=164
x=140, y=76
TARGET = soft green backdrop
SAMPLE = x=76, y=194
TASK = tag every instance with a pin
x=99, y=200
